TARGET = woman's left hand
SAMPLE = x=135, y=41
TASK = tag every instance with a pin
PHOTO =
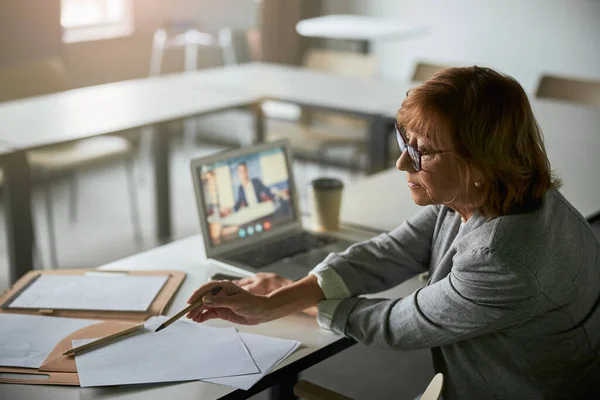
x=231, y=303
x=263, y=283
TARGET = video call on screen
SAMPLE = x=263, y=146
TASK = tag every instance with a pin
x=246, y=196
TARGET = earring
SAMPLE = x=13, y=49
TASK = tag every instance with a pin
x=477, y=184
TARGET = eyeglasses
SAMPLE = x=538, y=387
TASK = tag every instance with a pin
x=415, y=155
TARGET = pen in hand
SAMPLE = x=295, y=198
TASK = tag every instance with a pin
x=181, y=313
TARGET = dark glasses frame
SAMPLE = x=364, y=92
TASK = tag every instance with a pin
x=415, y=154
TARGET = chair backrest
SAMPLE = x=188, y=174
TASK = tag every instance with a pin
x=575, y=90
x=341, y=62
x=424, y=71
x=434, y=390
x=33, y=78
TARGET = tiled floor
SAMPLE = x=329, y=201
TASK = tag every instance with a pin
x=103, y=233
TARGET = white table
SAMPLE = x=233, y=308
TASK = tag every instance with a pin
x=115, y=107
x=98, y=110
x=357, y=95
x=572, y=139
x=380, y=201
x=361, y=28
x=187, y=255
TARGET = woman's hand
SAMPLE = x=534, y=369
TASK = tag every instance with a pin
x=263, y=283
x=239, y=306
x=231, y=303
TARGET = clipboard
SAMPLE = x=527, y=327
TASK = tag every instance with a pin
x=157, y=307
x=56, y=368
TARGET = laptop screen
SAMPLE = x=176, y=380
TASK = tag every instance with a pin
x=246, y=196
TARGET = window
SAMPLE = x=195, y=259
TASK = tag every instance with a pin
x=95, y=19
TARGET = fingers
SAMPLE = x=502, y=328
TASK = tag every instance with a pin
x=207, y=299
x=220, y=313
x=226, y=287
x=232, y=302
x=195, y=312
x=244, y=281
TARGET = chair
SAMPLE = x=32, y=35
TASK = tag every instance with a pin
x=424, y=71
x=185, y=34
x=569, y=89
x=310, y=391
x=314, y=132
x=190, y=38
x=48, y=76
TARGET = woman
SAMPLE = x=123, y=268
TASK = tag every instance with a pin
x=511, y=308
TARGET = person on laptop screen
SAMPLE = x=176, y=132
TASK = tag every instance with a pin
x=246, y=196
x=250, y=191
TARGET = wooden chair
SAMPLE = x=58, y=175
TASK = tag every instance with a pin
x=49, y=76
x=310, y=391
x=569, y=89
x=424, y=71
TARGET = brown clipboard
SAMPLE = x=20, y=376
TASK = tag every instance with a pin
x=158, y=306
x=61, y=370
x=58, y=369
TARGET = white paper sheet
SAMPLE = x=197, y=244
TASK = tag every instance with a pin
x=91, y=292
x=181, y=352
x=267, y=352
x=26, y=340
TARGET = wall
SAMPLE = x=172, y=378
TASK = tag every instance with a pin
x=29, y=29
x=208, y=14
x=102, y=61
x=521, y=38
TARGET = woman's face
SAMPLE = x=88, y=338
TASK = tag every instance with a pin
x=438, y=182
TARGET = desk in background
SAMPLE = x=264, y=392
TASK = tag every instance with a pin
x=98, y=110
x=361, y=29
x=358, y=96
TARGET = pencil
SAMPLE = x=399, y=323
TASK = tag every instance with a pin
x=181, y=313
x=103, y=341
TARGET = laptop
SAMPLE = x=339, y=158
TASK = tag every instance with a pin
x=249, y=216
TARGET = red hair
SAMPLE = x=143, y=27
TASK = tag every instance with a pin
x=487, y=119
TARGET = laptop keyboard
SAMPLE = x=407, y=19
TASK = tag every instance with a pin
x=276, y=251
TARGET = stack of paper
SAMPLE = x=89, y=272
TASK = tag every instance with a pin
x=26, y=340
x=267, y=352
x=184, y=351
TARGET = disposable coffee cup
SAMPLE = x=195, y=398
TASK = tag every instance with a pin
x=325, y=198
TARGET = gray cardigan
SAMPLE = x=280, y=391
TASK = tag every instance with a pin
x=511, y=310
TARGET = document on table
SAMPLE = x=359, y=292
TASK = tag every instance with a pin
x=94, y=292
x=267, y=352
x=26, y=340
x=182, y=352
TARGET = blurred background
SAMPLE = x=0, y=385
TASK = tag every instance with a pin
x=95, y=213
